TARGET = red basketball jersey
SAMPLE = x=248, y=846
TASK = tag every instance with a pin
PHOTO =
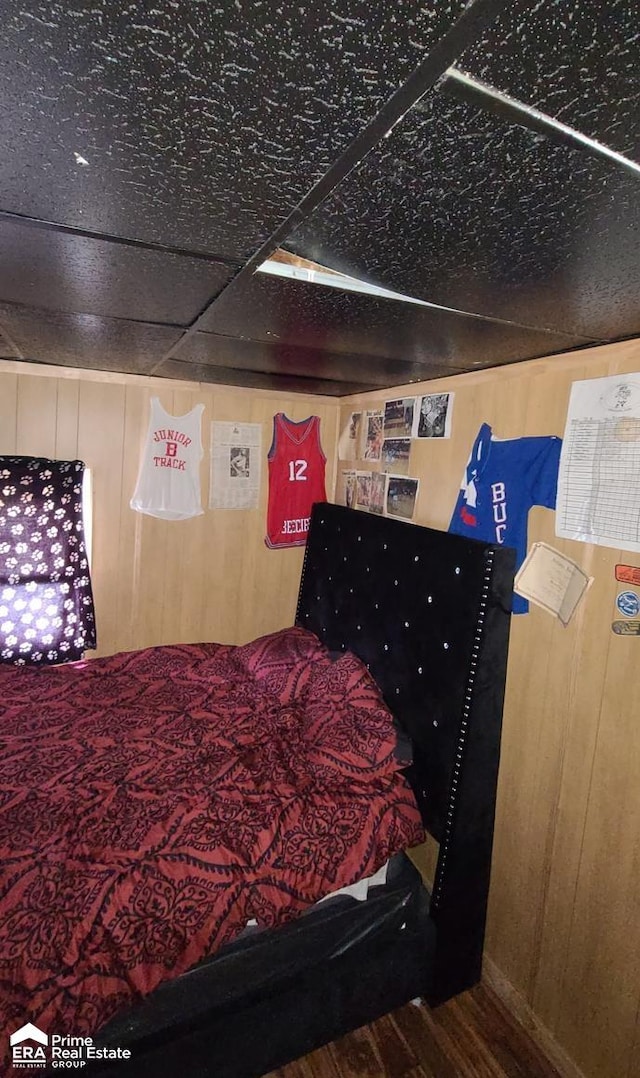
x=296, y=479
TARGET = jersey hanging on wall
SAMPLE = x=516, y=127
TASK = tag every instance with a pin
x=502, y=481
x=296, y=479
x=169, y=478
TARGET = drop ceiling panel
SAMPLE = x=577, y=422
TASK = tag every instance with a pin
x=84, y=340
x=193, y=124
x=576, y=60
x=278, y=357
x=464, y=209
x=281, y=383
x=66, y=272
x=289, y=312
x=193, y=130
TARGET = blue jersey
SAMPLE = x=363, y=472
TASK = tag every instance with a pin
x=503, y=479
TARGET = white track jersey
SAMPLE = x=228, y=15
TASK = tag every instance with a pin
x=169, y=479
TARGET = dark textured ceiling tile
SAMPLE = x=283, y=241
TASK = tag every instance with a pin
x=79, y=274
x=278, y=357
x=462, y=208
x=576, y=60
x=194, y=124
x=84, y=340
x=284, y=383
x=285, y=312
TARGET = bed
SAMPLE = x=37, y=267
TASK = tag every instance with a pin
x=427, y=615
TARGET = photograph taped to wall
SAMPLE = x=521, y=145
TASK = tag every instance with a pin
x=349, y=479
x=235, y=465
x=398, y=417
x=239, y=461
x=363, y=490
x=349, y=441
x=373, y=435
x=395, y=455
x=378, y=492
x=402, y=494
x=432, y=417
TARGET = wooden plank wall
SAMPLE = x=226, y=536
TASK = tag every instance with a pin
x=564, y=920
x=208, y=578
x=564, y=925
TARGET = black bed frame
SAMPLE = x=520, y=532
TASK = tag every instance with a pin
x=429, y=613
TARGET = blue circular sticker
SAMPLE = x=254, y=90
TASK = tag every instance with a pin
x=628, y=603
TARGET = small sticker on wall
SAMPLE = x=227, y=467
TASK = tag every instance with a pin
x=628, y=574
x=626, y=628
x=628, y=603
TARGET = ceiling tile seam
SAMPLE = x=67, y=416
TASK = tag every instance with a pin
x=121, y=241
x=493, y=100
x=31, y=308
x=465, y=31
x=179, y=326
x=345, y=283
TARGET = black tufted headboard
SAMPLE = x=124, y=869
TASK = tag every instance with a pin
x=429, y=613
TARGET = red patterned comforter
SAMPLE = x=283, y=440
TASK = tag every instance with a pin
x=153, y=802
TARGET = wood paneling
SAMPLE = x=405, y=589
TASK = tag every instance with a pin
x=155, y=581
x=564, y=924
x=8, y=412
x=564, y=916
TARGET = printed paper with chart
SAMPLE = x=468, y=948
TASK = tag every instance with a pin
x=599, y=479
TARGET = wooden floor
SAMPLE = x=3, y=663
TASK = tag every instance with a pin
x=472, y=1036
